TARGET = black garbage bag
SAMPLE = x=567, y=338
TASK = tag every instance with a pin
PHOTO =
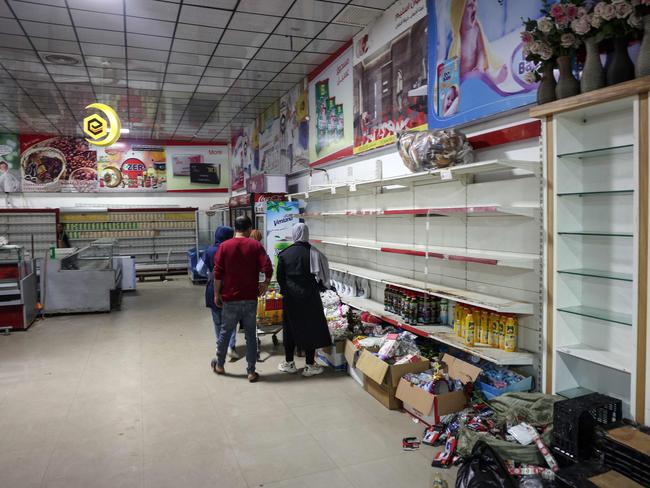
x=484, y=469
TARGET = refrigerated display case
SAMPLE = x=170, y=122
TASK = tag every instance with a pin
x=253, y=205
x=18, y=292
x=207, y=222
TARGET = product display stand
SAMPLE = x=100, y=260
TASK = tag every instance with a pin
x=597, y=154
x=24, y=226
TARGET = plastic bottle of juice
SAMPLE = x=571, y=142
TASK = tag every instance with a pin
x=494, y=331
x=469, y=332
x=261, y=307
x=510, y=339
x=483, y=339
x=502, y=331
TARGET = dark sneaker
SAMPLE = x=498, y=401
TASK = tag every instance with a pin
x=253, y=377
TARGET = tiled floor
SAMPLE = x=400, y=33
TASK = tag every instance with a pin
x=128, y=399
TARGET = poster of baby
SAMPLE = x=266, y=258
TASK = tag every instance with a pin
x=476, y=61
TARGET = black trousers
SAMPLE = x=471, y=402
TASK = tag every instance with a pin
x=290, y=346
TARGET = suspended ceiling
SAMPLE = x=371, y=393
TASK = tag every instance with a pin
x=184, y=70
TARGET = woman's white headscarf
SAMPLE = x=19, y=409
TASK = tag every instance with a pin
x=318, y=264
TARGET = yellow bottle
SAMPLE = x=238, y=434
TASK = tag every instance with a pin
x=494, y=331
x=469, y=332
x=510, y=339
x=261, y=308
x=502, y=331
x=483, y=336
x=278, y=309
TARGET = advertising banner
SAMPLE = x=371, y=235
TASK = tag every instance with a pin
x=390, y=75
x=280, y=218
x=197, y=168
x=476, y=60
x=9, y=163
x=284, y=134
x=241, y=156
x=330, y=102
x=132, y=167
x=57, y=164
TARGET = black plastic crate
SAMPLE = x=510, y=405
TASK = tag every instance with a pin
x=626, y=460
x=575, y=421
x=576, y=475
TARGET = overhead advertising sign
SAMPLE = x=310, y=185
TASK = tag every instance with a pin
x=132, y=167
x=102, y=132
x=476, y=62
x=331, y=132
x=390, y=75
x=197, y=168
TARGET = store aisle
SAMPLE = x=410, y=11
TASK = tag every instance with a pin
x=128, y=399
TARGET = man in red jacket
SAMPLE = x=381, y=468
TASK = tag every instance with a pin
x=237, y=267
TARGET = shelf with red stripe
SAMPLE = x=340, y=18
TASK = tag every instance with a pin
x=477, y=256
x=440, y=175
x=468, y=297
x=462, y=211
x=442, y=334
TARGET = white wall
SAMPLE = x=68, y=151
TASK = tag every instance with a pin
x=70, y=200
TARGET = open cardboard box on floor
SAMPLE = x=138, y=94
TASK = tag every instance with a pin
x=381, y=379
x=333, y=356
x=352, y=354
x=429, y=407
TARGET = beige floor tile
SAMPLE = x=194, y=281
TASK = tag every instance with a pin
x=326, y=479
x=285, y=459
x=22, y=468
x=390, y=472
x=331, y=414
x=128, y=479
x=264, y=429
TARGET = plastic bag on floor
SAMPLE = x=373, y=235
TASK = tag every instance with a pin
x=484, y=469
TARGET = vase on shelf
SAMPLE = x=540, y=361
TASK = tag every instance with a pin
x=643, y=60
x=546, y=87
x=593, y=74
x=619, y=67
x=567, y=85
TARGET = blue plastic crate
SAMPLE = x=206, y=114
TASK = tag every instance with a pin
x=490, y=392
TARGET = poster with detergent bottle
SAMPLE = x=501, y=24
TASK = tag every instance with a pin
x=280, y=219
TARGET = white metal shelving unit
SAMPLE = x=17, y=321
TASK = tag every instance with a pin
x=20, y=225
x=596, y=246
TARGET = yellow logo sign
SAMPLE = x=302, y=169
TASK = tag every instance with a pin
x=101, y=132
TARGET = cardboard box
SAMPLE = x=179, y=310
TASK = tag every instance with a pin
x=333, y=356
x=352, y=354
x=429, y=407
x=381, y=379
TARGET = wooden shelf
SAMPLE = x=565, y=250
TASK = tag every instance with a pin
x=442, y=334
x=607, y=94
x=477, y=256
x=496, y=304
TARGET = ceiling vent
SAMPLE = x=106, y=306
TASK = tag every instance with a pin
x=357, y=16
x=60, y=59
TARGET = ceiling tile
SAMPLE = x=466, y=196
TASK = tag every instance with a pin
x=42, y=13
x=98, y=36
x=10, y=26
x=19, y=54
x=204, y=16
x=268, y=7
x=103, y=50
x=304, y=69
x=228, y=50
x=54, y=45
x=232, y=63
x=17, y=65
x=182, y=45
x=148, y=26
x=181, y=87
x=289, y=77
x=303, y=28
x=311, y=58
x=184, y=69
x=187, y=79
x=381, y=4
x=339, y=32
x=144, y=85
x=109, y=7
x=189, y=58
x=249, y=83
x=260, y=65
x=275, y=55
x=150, y=42
x=66, y=70
x=198, y=32
x=147, y=54
x=314, y=10
x=152, y=9
x=225, y=4
x=289, y=43
x=324, y=46
x=253, y=22
x=242, y=38
x=256, y=75
x=96, y=20
x=142, y=65
x=221, y=72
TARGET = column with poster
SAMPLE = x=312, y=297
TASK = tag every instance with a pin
x=9, y=164
x=241, y=156
x=391, y=75
x=475, y=54
x=281, y=216
x=330, y=102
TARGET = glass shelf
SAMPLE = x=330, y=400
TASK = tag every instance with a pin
x=574, y=392
x=598, y=192
x=595, y=153
x=596, y=233
x=598, y=313
x=598, y=273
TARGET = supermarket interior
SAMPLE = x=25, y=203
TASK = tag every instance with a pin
x=324, y=243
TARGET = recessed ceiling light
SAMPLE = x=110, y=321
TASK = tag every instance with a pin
x=61, y=59
x=393, y=187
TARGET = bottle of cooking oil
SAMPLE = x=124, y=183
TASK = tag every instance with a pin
x=494, y=330
x=502, y=331
x=483, y=336
x=469, y=330
x=510, y=339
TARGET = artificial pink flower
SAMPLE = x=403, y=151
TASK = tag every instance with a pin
x=557, y=10
x=581, y=25
x=571, y=11
x=526, y=37
x=623, y=9
x=567, y=40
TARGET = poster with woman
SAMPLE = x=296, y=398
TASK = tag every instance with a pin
x=475, y=56
x=9, y=164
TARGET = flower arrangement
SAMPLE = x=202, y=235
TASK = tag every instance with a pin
x=552, y=35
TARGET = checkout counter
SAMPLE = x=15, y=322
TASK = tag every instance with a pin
x=84, y=279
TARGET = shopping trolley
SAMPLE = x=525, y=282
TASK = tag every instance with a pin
x=269, y=318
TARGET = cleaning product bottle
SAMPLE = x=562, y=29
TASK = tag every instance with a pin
x=510, y=339
x=444, y=311
x=469, y=332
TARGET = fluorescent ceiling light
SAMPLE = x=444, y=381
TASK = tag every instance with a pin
x=393, y=187
x=124, y=130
